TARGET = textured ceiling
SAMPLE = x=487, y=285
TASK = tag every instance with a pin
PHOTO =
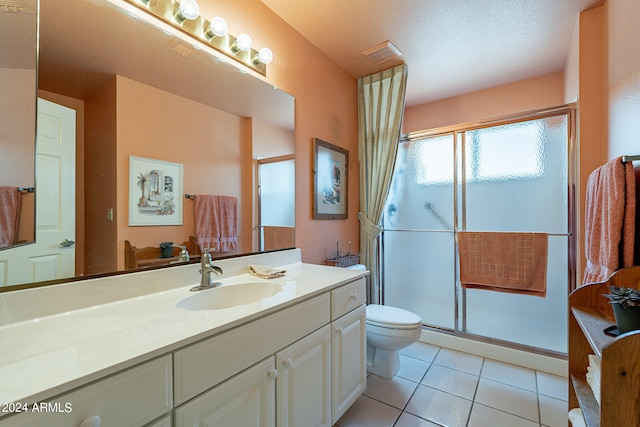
x=451, y=47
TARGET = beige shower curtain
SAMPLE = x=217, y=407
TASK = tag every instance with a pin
x=380, y=110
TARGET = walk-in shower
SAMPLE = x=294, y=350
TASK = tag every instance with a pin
x=511, y=174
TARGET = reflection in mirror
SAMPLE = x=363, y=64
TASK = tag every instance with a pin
x=18, y=23
x=137, y=91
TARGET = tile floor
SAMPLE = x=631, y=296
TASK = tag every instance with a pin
x=441, y=387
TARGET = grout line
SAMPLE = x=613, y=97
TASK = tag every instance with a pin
x=473, y=400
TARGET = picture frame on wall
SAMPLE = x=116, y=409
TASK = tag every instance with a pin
x=330, y=180
x=155, y=192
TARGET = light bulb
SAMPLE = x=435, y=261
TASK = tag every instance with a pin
x=243, y=42
x=264, y=56
x=217, y=27
x=187, y=9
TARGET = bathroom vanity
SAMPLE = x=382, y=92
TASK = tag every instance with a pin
x=140, y=349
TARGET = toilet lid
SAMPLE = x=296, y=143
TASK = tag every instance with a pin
x=385, y=315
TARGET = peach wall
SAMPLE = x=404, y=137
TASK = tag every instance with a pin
x=540, y=92
x=592, y=116
x=623, y=79
x=572, y=67
x=100, y=176
x=271, y=141
x=208, y=142
x=326, y=107
x=17, y=114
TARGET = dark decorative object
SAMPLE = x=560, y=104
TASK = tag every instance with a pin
x=166, y=249
x=626, y=307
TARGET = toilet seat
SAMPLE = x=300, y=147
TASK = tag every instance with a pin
x=392, y=317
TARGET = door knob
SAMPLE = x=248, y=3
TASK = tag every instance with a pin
x=92, y=421
x=67, y=242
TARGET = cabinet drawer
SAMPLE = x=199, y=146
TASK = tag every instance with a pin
x=203, y=365
x=130, y=398
x=348, y=297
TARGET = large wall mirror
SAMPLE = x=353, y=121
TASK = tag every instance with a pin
x=119, y=88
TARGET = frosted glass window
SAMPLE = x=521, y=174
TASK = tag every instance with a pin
x=505, y=152
x=277, y=193
x=433, y=159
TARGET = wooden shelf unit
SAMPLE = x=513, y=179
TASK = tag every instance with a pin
x=150, y=256
x=589, y=314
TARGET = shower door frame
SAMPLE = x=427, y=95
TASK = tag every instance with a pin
x=458, y=131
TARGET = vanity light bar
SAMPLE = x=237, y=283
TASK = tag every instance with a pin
x=168, y=11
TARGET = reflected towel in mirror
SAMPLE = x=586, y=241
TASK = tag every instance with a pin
x=216, y=222
x=9, y=215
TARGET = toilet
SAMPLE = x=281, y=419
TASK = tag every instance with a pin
x=389, y=329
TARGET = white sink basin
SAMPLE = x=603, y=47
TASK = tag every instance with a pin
x=227, y=296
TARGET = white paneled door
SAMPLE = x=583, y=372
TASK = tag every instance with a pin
x=52, y=256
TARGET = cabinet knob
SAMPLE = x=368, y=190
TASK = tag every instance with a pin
x=92, y=421
x=353, y=296
x=272, y=374
x=339, y=330
x=287, y=363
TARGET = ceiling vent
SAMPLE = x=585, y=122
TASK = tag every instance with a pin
x=383, y=52
x=14, y=6
x=181, y=48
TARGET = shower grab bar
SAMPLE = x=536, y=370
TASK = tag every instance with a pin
x=428, y=206
x=452, y=231
x=626, y=159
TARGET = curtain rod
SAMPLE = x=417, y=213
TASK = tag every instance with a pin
x=626, y=159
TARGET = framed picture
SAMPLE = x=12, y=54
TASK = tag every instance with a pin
x=155, y=192
x=330, y=166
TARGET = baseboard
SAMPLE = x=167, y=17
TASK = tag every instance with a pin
x=538, y=362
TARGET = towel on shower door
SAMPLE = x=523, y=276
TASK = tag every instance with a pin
x=609, y=219
x=216, y=222
x=504, y=262
x=9, y=215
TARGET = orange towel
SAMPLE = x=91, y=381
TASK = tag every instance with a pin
x=278, y=237
x=609, y=219
x=9, y=215
x=216, y=222
x=504, y=262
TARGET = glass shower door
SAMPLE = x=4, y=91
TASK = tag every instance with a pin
x=418, y=237
x=507, y=176
x=515, y=179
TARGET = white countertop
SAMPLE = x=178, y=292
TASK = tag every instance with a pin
x=43, y=357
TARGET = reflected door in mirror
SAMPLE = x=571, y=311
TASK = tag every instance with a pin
x=52, y=256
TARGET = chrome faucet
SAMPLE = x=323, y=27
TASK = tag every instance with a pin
x=184, y=254
x=206, y=268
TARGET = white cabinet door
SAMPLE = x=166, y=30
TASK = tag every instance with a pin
x=304, y=382
x=349, y=361
x=130, y=398
x=247, y=400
